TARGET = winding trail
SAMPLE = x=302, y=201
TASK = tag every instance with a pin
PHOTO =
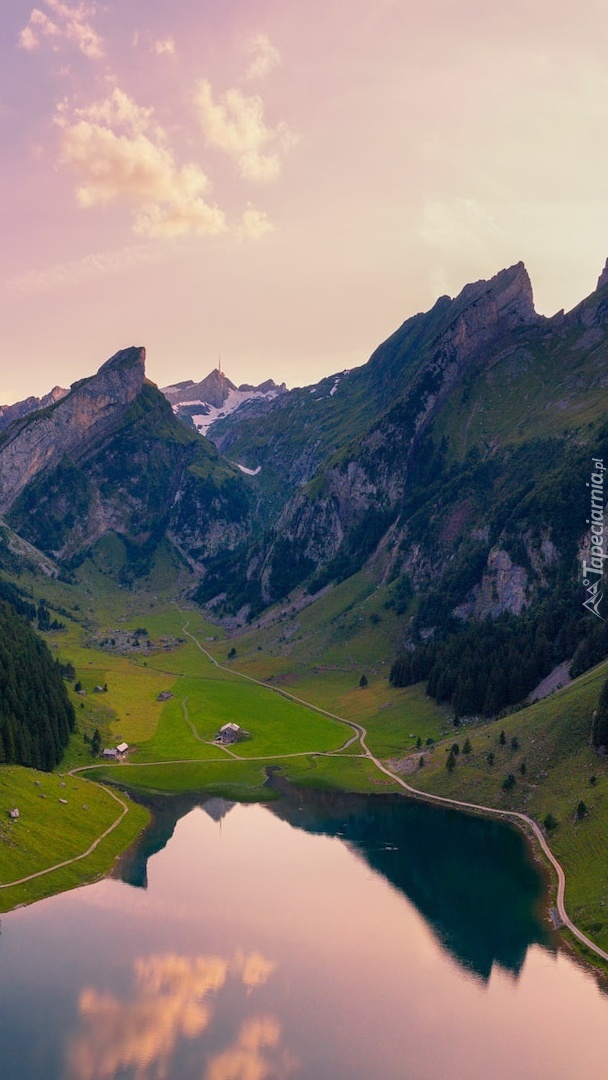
x=76, y=858
x=359, y=736
x=507, y=815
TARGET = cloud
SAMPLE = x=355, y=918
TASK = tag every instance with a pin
x=264, y=56
x=67, y=274
x=28, y=39
x=236, y=125
x=253, y=225
x=164, y=48
x=119, y=110
x=68, y=23
x=119, y=152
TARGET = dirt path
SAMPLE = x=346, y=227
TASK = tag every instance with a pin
x=76, y=858
x=507, y=815
x=190, y=724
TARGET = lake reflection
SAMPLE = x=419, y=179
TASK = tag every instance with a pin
x=322, y=938
x=472, y=879
x=171, y=999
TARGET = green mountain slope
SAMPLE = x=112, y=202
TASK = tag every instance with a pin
x=453, y=466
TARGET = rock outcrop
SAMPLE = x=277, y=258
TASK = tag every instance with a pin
x=90, y=409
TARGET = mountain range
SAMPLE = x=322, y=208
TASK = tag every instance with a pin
x=452, y=465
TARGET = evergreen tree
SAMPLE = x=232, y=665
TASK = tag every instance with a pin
x=36, y=716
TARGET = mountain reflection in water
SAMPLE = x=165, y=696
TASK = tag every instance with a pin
x=472, y=879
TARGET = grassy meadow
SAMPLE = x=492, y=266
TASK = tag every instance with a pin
x=50, y=831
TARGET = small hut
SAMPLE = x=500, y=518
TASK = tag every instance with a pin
x=230, y=733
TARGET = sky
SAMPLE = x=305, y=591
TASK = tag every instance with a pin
x=281, y=184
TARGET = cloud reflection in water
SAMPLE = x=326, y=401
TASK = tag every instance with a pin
x=170, y=1001
x=246, y=1060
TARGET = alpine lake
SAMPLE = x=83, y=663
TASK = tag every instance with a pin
x=319, y=937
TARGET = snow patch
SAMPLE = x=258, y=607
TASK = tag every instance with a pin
x=250, y=472
x=236, y=398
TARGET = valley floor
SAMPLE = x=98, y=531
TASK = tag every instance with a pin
x=308, y=716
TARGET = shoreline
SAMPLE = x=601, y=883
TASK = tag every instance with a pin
x=532, y=831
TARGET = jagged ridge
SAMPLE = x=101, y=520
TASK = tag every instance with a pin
x=110, y=457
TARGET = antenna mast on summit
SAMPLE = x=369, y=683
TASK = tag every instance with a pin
x=219, y=363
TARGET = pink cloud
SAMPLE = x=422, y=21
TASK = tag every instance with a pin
x=265, y=57
x=119, y=152
x=69, y=23
x=236, y=125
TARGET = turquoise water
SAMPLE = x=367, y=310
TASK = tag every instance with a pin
x=320, y=938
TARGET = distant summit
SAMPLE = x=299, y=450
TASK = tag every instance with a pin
x=213, y=390
x=216, y=397
x=8, y=413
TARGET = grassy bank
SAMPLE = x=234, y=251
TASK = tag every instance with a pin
x=554, y=769
x=60, y=818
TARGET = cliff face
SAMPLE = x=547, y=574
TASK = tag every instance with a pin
x=110, y=457
x=450, y=458
x=88, y=411
x=435, y=454
x=437, y=352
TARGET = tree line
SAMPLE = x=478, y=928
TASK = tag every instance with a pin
x=485, y=666
x=36, y=715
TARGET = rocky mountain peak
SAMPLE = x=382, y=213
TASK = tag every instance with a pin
x=212, y=390
x=133, y=357
x=602, y=281
x=507, y=297
x=215, y=397
x=92, y=407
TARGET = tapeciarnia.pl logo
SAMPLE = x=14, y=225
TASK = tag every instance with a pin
x=594, y=569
